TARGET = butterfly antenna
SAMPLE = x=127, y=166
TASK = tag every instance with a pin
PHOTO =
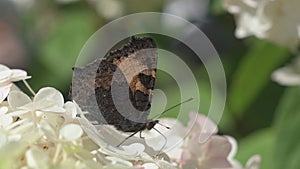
x=190, y=99
x=164, y=125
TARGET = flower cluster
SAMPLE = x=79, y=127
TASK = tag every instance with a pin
x=46, y=132
x=274, y=20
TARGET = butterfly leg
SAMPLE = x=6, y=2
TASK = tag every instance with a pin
x=141, y=135
x=127, y=138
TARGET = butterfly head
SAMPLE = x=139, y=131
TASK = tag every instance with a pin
x=151, y=124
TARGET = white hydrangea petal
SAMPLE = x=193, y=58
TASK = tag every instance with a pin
x=53, y=119
x=5, y=120
x=18, y=113
x=17, y=123
x=286, y=76
x=116, y=160
x=236, y=164
x=253, y=162
x=3, y=68
x=18, y=74
x=49, y=94
x=234, y=147
x=165, y=165
x=14, y=87
x=25, y=127
x=175, y=153
x=17, y=98
x=199, y=122
x=150, y=166
x=54, y=109
x=71, y=132
x=4, y=91
x=36, y=158
x=37, y=105
x=71, y=111
x=267, y=19
x=48, y=130
x=135, y=148
x=107, y=137
x=169, y=139
x=3, y=110
x=5, y=76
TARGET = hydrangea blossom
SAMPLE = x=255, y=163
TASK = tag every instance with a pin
x=288, y=75
x=7, y=76
x=267, y=19
x=44, y=131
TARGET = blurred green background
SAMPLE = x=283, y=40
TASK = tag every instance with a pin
x=45, y=38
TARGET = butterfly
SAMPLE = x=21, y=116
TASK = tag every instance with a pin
x=122, y=86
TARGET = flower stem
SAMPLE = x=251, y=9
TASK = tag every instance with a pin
x=57, y=151
x=28, y=87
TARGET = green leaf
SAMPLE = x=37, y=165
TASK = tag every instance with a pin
x=253, y=74
x=287, y=147
x=260, y=142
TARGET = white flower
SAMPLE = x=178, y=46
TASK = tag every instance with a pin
x=5, y=119
x=288, y=75
x=46, y=104
x=252, y=163
x=11, y=75
x=7, y=76
x=274, y=20
x=71, y=132
x=211, y=154
x=170, y=141
x=45, y=132
x=4, y=90
x=107, y=138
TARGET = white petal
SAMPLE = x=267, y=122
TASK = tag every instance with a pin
x=3, y=68
x=18, y=74
x=17, y=99
x=286, y=76
x=234, y=147
x=71, y=111
x=54, y=109
x=169, y=139
x=3, y=110
x=36, y=158
x=107, y=137
x=71, y=132
x=5, y=120
x=48, y=130
x=18, y=113
x=116, y=160
x=5, y=77
x=149, y=166
x=26, y=127
x=254, y=162
x=15, y=87
x=135, y=148
x=4, y=90
x=50, y=94
x=201, y=123
x=165, y=165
